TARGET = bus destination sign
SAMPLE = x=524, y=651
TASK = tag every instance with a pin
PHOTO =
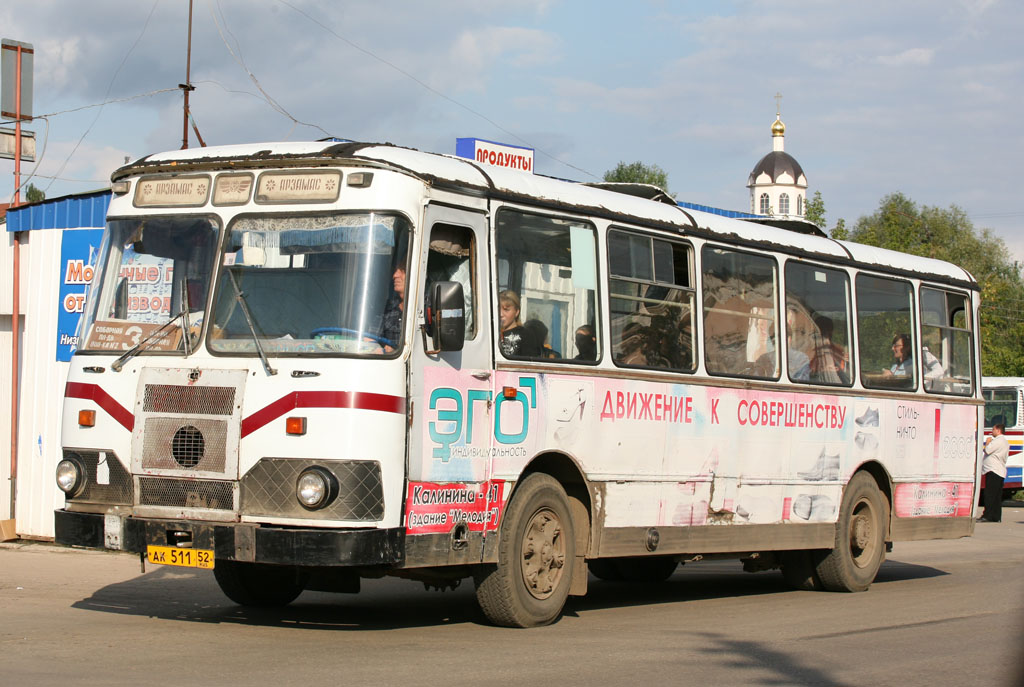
x=180, y=191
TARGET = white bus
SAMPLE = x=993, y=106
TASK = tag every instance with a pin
x=303, y=364
x=1004, y=403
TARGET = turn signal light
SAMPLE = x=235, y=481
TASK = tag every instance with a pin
x=295, y=425
x=86, y=418
x=509, y=392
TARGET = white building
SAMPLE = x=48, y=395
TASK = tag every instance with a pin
x=778, y=187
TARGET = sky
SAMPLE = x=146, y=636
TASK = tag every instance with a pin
x=915, y=96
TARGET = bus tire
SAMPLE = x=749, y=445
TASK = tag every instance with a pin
x=529, y=585
x=860, y=538
x=259, y=584
x=799, y=569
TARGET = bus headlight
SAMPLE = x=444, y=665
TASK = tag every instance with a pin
x=316, y=488
x=71, y=475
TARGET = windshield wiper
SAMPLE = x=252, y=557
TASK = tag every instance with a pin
x=134, y=350
x=240, y=297
x=185, y=324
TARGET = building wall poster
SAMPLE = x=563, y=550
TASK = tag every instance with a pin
x=78, y=251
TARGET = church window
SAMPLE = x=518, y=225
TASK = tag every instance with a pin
x=799, y=205
x=765, y=205
x=784, y=204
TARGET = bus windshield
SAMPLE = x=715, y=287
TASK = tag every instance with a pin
x=328, y=283
x=150, y=271
x=1000, y=407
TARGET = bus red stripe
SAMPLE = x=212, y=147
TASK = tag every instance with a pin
x=92, y=392
x=359, y=400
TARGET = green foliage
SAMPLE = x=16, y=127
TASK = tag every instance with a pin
x=814, y=210
x=638, y=173
x=948, y=234
x=839, y=231
x=33, y=194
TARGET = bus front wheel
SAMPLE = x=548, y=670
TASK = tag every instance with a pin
x=259, y=584
x=859, y=549
x=529, y=585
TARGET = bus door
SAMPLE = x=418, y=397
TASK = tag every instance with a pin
x=452, y=392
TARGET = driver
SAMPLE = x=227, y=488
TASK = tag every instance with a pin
x=391, y=321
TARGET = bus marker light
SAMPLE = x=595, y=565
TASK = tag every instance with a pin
x=509, y=392
x=295, y=425
x=86, y=418
x=359, y=179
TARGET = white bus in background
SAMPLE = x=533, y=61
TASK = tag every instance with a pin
x=377, y=361
x=1004, y=403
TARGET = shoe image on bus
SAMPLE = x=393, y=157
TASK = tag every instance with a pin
x=826, y=469
x=813, y=507
x=867, y=444
x=868, y=419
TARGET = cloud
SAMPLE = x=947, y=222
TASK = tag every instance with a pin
x=912, y=56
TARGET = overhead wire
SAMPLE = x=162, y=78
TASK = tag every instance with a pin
x=252, y=77
x=430, y=88
x=107, y=94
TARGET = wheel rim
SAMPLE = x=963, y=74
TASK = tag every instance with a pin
x=864, y=534
x=543, y=554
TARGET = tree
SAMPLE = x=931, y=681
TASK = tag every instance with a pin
x=814, y=210
x=638, y=173
x=948, y=234
x=33, y=194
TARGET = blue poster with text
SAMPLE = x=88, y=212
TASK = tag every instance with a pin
x=78, y=250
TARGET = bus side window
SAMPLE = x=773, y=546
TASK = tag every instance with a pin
x=740, y=321
x=450, y=258
x=817, y=324
x=946, y=342
x=652, y=302
x=547, y=287
x=885, y=327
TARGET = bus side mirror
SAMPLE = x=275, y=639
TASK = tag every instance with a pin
x=448, y=316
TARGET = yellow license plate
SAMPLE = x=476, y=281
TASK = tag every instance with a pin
x=172, y=555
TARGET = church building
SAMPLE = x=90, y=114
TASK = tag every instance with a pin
x=778, y=187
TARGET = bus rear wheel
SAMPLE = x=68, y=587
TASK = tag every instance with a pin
x=529, y=585
x=851, y=566
x=259, y=584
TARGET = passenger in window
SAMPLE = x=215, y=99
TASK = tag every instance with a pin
x=390, y=329
x=633, y=345
x=539, y=331
x=799, y=361
x=516, y=340
x=829, y=362
x=586, y=343
x=904, y=365
x=932, y=367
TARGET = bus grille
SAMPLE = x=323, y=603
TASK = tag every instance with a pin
x=182, y=493
x=269, y=489
x=171, y=443
x=118, y=489
x=188, y=400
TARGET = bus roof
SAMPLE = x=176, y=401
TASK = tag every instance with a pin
x=515, y=185
x=990, y=382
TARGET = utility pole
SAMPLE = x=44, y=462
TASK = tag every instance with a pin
x=187, y=86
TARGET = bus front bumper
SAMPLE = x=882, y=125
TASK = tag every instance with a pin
x=234, y=541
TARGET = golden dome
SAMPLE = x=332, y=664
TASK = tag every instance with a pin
x=778, y=128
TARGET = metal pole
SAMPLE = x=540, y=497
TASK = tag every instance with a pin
x=15, y=310
x=187, y=86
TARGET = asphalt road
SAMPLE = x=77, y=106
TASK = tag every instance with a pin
x=940, y=613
